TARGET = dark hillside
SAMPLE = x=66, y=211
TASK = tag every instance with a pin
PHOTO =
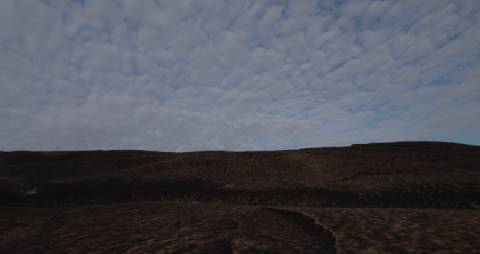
x=408, y=197
x=404, y=174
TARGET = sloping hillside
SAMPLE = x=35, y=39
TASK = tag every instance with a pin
x=408, y=197
x=407, y=174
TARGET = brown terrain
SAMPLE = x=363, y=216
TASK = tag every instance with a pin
x=405, y=197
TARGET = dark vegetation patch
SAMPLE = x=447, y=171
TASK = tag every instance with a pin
x=114, y=190
x=406, y=174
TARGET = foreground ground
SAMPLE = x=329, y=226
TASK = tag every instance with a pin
x=172, y=227
x=410, y=197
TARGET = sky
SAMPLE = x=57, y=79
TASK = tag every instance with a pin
x=189, y=75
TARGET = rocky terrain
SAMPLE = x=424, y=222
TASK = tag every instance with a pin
x=406, y=197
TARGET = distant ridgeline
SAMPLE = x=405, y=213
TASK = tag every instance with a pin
x=405, y=174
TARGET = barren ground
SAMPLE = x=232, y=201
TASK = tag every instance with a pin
x=409, y=197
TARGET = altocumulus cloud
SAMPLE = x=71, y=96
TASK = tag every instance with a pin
x=238, y=75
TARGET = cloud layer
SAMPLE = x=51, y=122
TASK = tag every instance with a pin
x=238, y=75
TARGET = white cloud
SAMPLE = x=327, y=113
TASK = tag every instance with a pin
x=190, y=75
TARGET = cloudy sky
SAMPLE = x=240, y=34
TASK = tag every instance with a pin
x=189, y=75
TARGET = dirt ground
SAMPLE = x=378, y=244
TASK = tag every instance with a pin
x=407, y=197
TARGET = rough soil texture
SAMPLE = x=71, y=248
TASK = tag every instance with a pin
x=407, y=197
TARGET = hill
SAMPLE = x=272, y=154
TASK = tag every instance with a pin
x=406, y=174
x=399, y=197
